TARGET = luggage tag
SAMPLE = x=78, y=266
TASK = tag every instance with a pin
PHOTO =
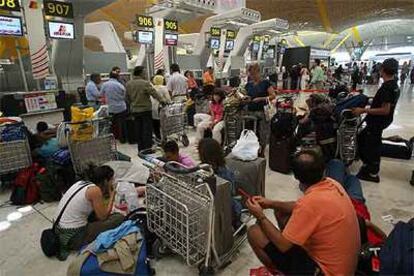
x=375, y=261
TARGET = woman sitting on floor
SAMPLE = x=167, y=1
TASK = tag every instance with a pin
x=75, y=228
x=211, y=153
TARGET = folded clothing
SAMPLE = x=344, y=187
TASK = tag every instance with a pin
x=108, y=238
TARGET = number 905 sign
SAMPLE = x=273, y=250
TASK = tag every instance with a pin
x=57, y=8
x=10, y=5
x=170, y=25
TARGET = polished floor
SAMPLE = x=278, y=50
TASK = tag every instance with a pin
x=20, y=252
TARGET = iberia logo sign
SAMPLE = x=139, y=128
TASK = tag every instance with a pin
x=62, y=32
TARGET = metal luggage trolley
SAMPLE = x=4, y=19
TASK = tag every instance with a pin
x=347, y=136
x=180, y=211
x=90, y=142
x=15, y=153
x=173, y=122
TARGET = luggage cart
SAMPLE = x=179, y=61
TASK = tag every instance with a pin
x=173, y=122
x=15, y=153
x=347, y=136
x=90, y=142
x=180, y=211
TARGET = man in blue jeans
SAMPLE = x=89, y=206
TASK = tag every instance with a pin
x=336, y=169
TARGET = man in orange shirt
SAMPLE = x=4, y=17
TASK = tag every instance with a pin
x=319, y=232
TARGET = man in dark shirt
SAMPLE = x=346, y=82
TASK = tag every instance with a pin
x=379, y=117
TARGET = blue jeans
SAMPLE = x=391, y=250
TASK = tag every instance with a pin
x=336, y=170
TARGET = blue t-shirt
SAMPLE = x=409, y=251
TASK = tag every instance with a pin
x=257, y=91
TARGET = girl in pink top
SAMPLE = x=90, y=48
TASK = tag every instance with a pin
x=214, y=120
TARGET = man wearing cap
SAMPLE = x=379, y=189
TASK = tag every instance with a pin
x=379, y=116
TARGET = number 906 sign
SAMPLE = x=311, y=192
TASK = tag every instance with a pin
x=10, y=5
x=145, y=21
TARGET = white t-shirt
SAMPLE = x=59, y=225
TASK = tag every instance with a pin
x=163, y=91
x=177, y=84
x=79, y=208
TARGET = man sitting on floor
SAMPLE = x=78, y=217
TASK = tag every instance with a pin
x=318, y=232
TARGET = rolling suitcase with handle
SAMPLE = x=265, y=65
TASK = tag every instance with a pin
x=280, y=154
x=249, y=175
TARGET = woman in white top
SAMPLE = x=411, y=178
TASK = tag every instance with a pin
x=304, y=78
x=74, y=228
x=161, y=89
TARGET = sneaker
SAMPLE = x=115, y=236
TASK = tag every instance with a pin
x=368, y=177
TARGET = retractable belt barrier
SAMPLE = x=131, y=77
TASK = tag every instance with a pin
x=287, y=91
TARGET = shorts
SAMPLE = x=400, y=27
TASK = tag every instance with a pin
x=293, y=262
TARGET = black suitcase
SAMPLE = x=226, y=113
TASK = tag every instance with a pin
x=397, y=147
x=132, y=133
x=280, y=154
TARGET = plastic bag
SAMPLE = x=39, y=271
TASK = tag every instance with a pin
x=83, y=131
x=126, y=198
x=102, y=112
x=269, y=110
x=61, y=135
x=247, y=147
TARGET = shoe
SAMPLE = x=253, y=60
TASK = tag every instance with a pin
x=368, y=177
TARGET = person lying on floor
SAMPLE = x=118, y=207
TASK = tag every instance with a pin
x=75, y=229
x=211, y=153
x=336, y=170
x=172, y=153
x=318, y=233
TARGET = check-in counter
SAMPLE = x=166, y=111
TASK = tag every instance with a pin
x=32, y=107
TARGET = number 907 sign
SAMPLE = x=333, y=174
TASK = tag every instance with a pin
x=57, y=8
x=10, y=5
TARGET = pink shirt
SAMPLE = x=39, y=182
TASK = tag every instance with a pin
x=217, y=111
x=186, y=160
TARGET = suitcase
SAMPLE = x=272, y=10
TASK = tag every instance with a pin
x=399, y=148
x=132, y=133
x=223, y=229
x=250, y=175
x=280, y=154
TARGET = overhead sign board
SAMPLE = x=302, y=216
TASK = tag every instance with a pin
x=11, y=26
x=58, y=8
x=257, y=38
x=145, y=37
x=61, y=30
x=10, y=5
x=214, y=31
x=214, y=43
x=171, y=39
x=144, y=21
x=171, y=25
x=230, y=34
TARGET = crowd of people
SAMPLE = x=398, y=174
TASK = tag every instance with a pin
x=330, y=242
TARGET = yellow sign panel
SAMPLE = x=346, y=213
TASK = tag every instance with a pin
x=57, y=8
x=170, y=25
x=144, y=21
x=10, y=5
x=214, y=31
x=231, y=34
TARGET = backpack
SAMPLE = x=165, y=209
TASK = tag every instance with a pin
x=26, y=187
x=397, y=254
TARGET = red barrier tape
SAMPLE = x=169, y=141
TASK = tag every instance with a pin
x=286, y=91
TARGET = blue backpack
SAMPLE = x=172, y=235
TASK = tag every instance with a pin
x=397, y=254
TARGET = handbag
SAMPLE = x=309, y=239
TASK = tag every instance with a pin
x=49, y=241
x=269, y=110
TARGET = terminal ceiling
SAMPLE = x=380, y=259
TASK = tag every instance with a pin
x=332, y=16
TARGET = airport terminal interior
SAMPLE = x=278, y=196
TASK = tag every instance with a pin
x=206, y=137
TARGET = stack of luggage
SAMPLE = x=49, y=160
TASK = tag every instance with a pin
x=282, y=139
